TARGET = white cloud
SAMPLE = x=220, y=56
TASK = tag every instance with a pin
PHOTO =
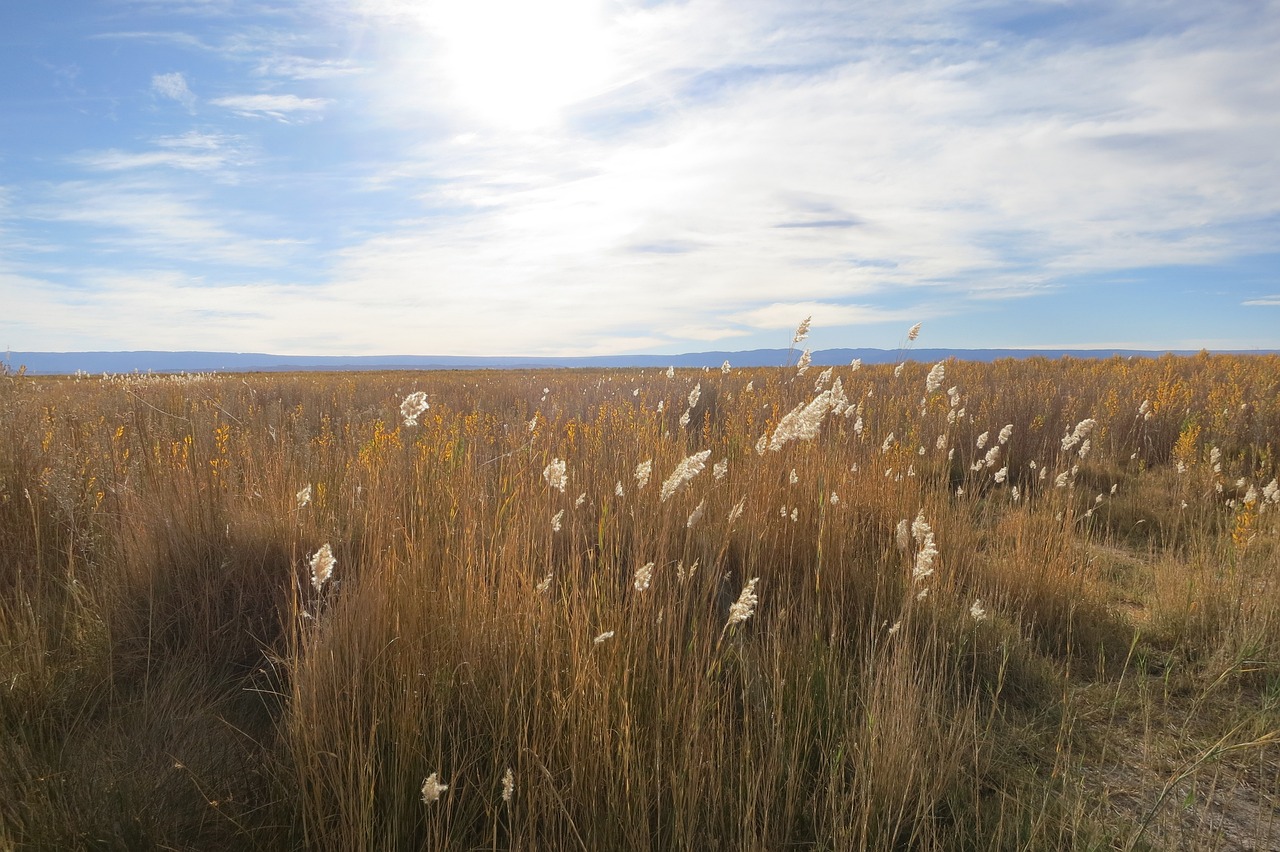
x=113, y=160
x=280, y=107
x=174, y=87
x=815, y=159
x=304, y=68
x=787, y=315
x=191, y=151
x=1264, y=300
x=153, y=220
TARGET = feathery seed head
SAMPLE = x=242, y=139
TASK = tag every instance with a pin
x=556, y=474
x=802, y=330
x=914, y=332
x=803, y=422
x=903, y=534
x=736, y=511
x=643, y=472
x=322, y=564
x=413, y=406
x=304, y=497
x=745, y=606
x=644, y=576
x=934, y=380
x=924, y=558
x=508, y=785
x=684, y=473
x=919, y=527
x=806, y=358
x=432, y=788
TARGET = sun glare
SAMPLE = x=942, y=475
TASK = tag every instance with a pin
x=519, y=64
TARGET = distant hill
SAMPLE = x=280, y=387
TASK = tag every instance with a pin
x=52, y=363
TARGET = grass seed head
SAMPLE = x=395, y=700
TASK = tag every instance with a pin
x=696, y=515
x=413, y=406
x=556, y=474
x=976, y=611
x=802, y=330
x=934, y=380
x=684, y=473
x=644, y=576
x=432, y=788
x=745, y=606
x=322, y=564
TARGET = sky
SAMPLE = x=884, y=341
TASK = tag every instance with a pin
x=587, y=177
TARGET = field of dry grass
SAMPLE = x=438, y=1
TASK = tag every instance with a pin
x=1021, y=605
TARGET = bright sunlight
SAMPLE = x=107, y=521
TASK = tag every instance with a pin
x=519, y=64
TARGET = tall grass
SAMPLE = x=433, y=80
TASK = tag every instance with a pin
x=1092, y=661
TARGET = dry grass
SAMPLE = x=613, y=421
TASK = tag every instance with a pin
x=171, y=676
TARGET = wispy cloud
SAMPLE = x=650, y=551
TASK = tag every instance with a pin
x=1267, y=301
x=304, y=68
x=280, y=107
x=783, y=315
x=174, y=87
x=191, y=151
x=151, y=220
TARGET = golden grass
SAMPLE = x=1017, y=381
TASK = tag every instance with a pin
x=174, y=674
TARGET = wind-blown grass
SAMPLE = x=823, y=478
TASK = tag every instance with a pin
x=269, y=612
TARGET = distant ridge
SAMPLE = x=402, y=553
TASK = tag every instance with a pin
x=67, y=363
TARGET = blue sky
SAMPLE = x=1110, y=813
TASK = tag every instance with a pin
x=573, y=177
